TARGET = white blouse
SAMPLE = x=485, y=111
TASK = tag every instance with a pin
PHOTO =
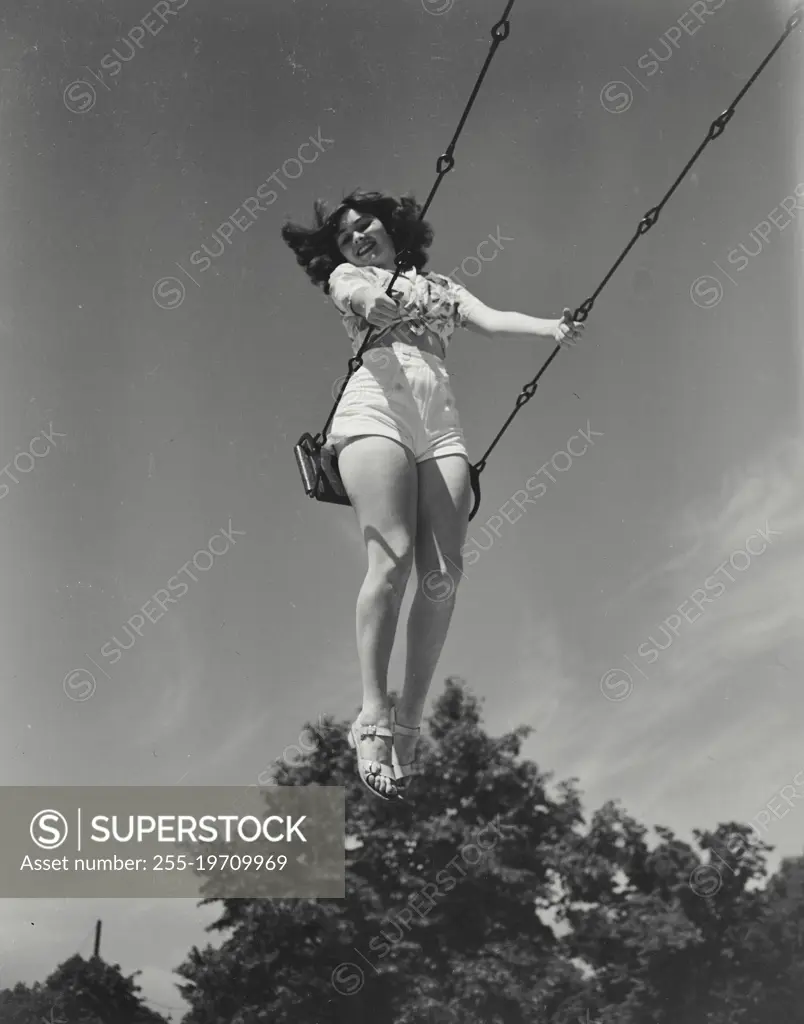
x=433, y=306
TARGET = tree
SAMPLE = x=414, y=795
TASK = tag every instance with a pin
x=676, y=938
x=80, y=992
x=471, y=948
x=488, y=899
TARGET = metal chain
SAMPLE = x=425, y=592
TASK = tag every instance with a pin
x=716, y=129
x=444, y=164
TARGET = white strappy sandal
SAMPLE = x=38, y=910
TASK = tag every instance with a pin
x=358, y=732
x=402, y=771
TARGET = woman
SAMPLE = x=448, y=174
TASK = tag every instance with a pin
x=400, y=448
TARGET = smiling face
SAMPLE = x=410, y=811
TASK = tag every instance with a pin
x=364, y=242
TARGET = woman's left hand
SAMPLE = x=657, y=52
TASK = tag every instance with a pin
x=568, y=331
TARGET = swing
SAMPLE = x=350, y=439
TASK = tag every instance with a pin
x=318, y=466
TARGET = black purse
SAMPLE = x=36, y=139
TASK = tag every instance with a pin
x=318, y=467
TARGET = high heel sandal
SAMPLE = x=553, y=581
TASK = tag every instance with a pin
x=359, y=732
x=402, y=771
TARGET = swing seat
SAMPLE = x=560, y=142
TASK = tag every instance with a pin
x=318, y=467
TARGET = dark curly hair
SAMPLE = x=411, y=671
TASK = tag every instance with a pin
x=316, y=248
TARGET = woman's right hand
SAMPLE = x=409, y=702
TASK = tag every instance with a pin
x=380, y=309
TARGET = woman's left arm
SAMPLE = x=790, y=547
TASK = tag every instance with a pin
x=504, y=326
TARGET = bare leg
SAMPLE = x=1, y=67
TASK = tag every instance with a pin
x=443, y=514
x=380, y=478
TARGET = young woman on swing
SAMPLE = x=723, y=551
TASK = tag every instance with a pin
x=400, y=448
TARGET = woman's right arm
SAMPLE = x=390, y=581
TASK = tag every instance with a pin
x=372, y=304
x=354, y=289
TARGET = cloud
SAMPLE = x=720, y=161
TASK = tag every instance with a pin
x=169, y=691
x=709, y=695
x=540, y=672
x=677, y=744
x=763, y=607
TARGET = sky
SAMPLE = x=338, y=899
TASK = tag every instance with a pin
x=172, y=392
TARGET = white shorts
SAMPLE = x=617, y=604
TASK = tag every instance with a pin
x=405, y=394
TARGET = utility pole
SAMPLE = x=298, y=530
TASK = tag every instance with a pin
x=96, y=953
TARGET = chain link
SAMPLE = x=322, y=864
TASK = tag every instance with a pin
x=502, y=29
x=583, y=311
x=445, y=163
x=718, y=126
x=525, y=395
x=649, y=220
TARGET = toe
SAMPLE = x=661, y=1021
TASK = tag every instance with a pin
x=382, y=784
